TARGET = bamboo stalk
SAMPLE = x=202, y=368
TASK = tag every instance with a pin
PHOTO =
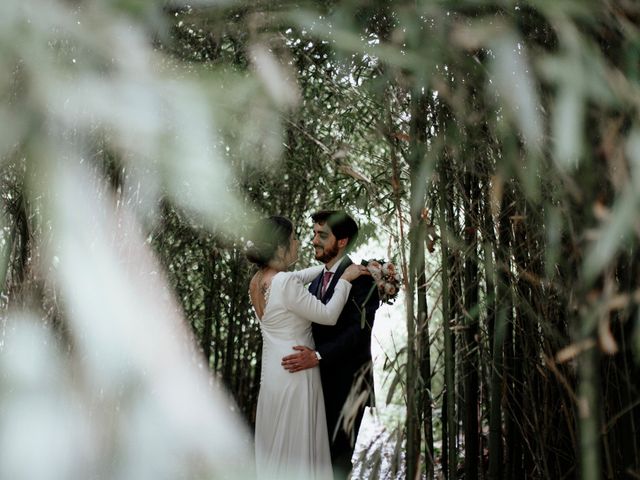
x=588, y=420
x=449, y=362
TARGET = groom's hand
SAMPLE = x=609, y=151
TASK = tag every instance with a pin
x=305, y=358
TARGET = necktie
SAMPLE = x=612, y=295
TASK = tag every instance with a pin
x=326, y=278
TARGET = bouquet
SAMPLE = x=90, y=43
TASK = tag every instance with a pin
x=386, y=277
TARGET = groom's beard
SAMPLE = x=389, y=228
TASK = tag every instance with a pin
x=327, y=254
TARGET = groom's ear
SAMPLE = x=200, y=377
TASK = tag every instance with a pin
x=342, y=243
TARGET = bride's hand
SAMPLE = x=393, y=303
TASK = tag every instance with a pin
x=354, y=271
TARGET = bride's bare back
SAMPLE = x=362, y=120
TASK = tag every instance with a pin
x=259, y=289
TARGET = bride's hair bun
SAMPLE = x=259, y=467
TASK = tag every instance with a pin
x=269, y=234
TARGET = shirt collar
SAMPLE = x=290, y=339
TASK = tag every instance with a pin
x=334, y=269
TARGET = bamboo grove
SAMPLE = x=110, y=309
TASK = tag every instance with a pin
x=533, y=366
x=497, y=146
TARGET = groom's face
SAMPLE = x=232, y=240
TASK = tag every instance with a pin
x=324, y=243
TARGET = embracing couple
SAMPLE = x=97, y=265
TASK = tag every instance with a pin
x=300, y=419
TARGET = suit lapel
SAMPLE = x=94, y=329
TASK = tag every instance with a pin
x=314, y=288
x=346, y=261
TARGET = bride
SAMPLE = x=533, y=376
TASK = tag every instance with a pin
x=291, y=436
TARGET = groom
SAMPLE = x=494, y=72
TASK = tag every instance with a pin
x=343, y=351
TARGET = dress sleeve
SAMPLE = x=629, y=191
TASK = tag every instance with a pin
x=308, y=274
x=298, y=300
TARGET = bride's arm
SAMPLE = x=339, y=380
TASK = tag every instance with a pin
x=301, y=302
x=306, y=275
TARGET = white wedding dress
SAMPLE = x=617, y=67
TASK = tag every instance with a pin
x=291, y=428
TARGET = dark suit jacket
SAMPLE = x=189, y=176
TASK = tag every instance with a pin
x=346, y=351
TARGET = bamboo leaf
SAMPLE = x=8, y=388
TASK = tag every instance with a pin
x=567, y=127
x=619, y=225
x=346, y=39
x=279, y=81
x=512, y=78
x=572, y=351
x=395, y=383
x=606, y=341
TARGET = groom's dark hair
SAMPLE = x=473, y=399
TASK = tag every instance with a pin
x=340, y=223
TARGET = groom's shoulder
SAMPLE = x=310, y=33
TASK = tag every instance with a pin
x=364, y=280
x=344, y=263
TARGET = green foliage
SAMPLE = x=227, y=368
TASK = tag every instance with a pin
x=180, y=124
